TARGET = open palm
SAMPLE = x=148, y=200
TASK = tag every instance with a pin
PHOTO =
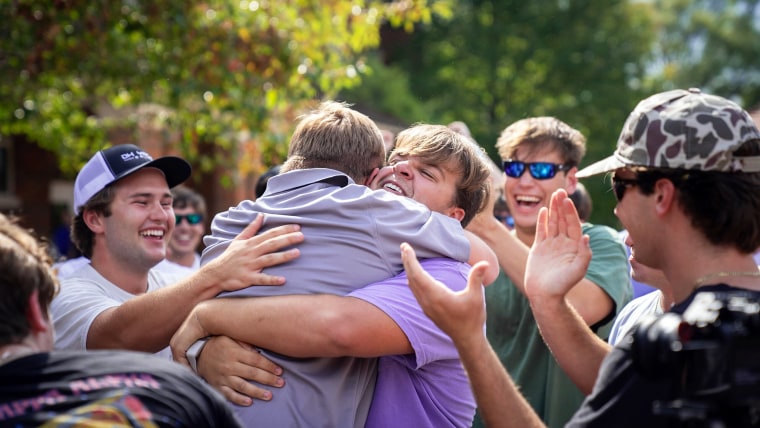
x=560, y=253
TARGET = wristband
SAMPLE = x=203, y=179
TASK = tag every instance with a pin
x=194, y=351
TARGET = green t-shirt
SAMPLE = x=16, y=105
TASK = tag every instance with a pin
x=513, y=332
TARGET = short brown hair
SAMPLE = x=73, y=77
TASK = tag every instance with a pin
x=538, y=133
x=26, y=268
x=440, y=145
x=81, y=235
x=183, y=197
x=337, y=137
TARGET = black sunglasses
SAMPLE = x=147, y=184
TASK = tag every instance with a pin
x=192, y=219
x=538, y=170
x=620, y=185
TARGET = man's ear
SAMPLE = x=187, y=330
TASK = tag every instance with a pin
x=571, y=181
x=93, y=220
x=371, y=177
x=664, y=196
x=457, y=213
x=35, y=316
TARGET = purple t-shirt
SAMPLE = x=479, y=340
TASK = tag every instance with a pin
x=430, y=387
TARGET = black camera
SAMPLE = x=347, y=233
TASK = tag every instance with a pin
x=711, y=354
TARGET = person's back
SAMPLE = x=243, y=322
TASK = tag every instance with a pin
x=133, y=388
x=39, y=387
x=352, y=236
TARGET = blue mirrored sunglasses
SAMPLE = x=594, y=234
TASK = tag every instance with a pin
x=538, y=170
x=192, y=219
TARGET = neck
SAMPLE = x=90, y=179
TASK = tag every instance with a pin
x=129, y=279
x=725, y=276
x=185, y=259
x=724, y=267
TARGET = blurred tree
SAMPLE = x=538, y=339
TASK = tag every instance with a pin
x=713, y=45
x=497, y=61
x=219, y=71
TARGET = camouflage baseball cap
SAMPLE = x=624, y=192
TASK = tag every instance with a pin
x=683, y=130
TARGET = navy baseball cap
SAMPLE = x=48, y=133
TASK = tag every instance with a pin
x=117, y=162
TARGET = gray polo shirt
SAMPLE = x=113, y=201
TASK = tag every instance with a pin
x=352, y=237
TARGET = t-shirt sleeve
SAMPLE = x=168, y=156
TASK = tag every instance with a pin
x=395, y=298
x=74, y=309
x=431, y=234
x=608, y=269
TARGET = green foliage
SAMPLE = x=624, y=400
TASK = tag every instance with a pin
x=497, y=61
x=386, y=89
x=222, y=72
x=713, y=45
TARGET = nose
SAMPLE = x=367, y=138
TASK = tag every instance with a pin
x=403, y=169
x=159, y=212
x=526, y=178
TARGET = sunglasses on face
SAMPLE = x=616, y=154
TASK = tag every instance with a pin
x=620, y=185
x=192, y=219
x=538, y=170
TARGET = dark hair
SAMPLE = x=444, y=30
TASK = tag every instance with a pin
x=81, y=235
x=261, y=183
x=582, y=200
x=183, y=196
x=26, y=268
x=724, y=206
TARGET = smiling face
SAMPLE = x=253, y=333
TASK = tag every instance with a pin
x=141, y=221
x=538, y=139
x=431, y=185
x=526, y=195
x=186, y=236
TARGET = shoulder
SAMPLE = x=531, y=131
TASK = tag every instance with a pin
x=605, y=242
x=600, y=231
x=69, y=268
x=166, y=273
x=445, y=266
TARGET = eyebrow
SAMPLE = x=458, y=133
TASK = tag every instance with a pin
x=149, y=195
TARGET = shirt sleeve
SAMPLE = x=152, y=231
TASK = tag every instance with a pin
x=609, y=270
x=431, y=234
x=74, y=309
x=395, y=298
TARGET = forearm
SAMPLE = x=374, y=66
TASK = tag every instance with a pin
x=510, y=252
x=305, y=325
x=480, y=251
x=576, y=348
x=147, y=322
x=499, y=401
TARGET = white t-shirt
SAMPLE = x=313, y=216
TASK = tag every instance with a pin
x=633, y=312
x=85, y=294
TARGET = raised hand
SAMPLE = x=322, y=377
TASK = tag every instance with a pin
x=560, y=253
x=459, y=314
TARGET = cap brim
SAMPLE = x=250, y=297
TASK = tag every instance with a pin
x=175, y=169
x=603, y=166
